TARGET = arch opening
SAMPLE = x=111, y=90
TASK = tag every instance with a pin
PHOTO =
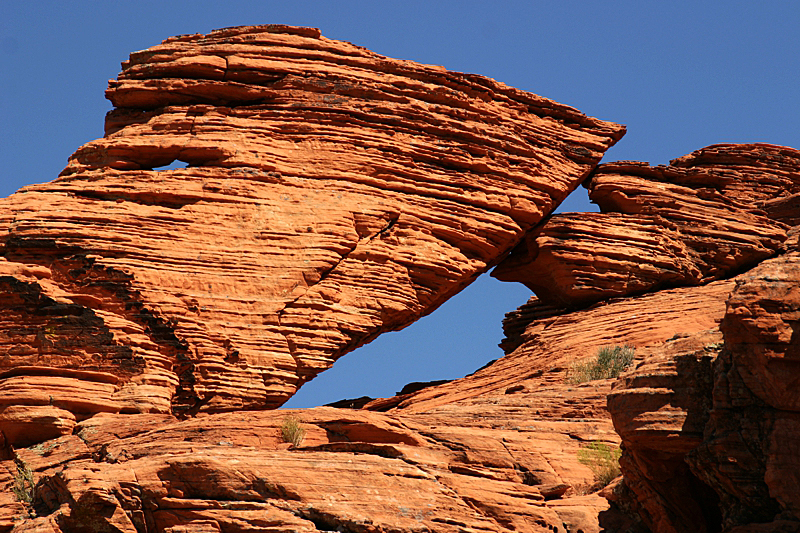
x=457, y=339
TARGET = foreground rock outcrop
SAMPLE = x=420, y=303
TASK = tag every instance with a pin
x=707, y=448
x=331, y=194
x=496, y=451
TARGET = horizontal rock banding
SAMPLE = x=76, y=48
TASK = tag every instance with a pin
x=354, y=470
x=706, y=216
x=331, y=194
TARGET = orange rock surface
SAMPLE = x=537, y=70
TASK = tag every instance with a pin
x=331, y=194
x=150, y=319
x=749, y=452
x=706, y=418
x=708, y=425
x=496, y=451
x=355, y=470
x=706, y=216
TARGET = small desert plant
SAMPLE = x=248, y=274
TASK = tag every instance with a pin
x=24, y=487
x=609, y=363
x=602, y=460
x=292, y=431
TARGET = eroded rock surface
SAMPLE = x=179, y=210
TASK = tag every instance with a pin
x=150, y=318
x=709, y=430
x=706, y=216
x=707, y=419
x=708, y=426
x=331, y=194
x=749, y=452
x=354, y=471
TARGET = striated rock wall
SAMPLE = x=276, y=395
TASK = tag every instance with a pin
x=355, y=471
x=706, y=447
x=706, y=216
x=708, y=433
x=749, y=452
x=706, y=418
x=331, y=194
x=149, y=319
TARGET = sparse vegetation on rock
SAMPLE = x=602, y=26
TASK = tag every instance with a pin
x=602, y=460
x=24, y=487
x=292, y=431
x=610, y=362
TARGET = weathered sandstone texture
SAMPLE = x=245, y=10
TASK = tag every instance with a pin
x=750, y=451
x=496, y=451
x=705, y=418
x=706, y=216
x=709, y=430
x=331, y=194
x=150, y=319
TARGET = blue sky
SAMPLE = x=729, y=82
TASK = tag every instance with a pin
x=681, y=75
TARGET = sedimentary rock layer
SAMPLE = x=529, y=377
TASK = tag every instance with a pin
x=708, y=431
x=549, y=345
x=496, y=451
x=528, y=389
x=352, y=471
x=331, y=194
x=706, y=216
x=660, y=410
x=750, y=453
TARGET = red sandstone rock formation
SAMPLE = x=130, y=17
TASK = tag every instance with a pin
x=704, y=217
x=706, y=422
x=749, y=453
x=496, y=451
x=708, y=429
x=331, y=194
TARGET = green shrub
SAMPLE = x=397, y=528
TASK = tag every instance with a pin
x=602, y=460
x=609, y=363
x=24, y=486
x=292, y=431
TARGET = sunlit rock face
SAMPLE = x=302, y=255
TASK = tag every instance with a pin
x=150, y=319
x=331, y=194
x=705, y=216
x=708, y=415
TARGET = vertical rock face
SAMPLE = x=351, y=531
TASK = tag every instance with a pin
x=331, y=194
x=749, y=453
x=709, y=430
x=706, y=216
x=709, y=447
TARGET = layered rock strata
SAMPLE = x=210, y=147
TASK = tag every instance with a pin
x=749, y=452
x=497, y=451
x=706, y=419
x=354, y=471
x=706, y=216
x=708, y=430
x=331, y=194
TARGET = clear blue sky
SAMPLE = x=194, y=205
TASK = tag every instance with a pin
x=681, y=75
